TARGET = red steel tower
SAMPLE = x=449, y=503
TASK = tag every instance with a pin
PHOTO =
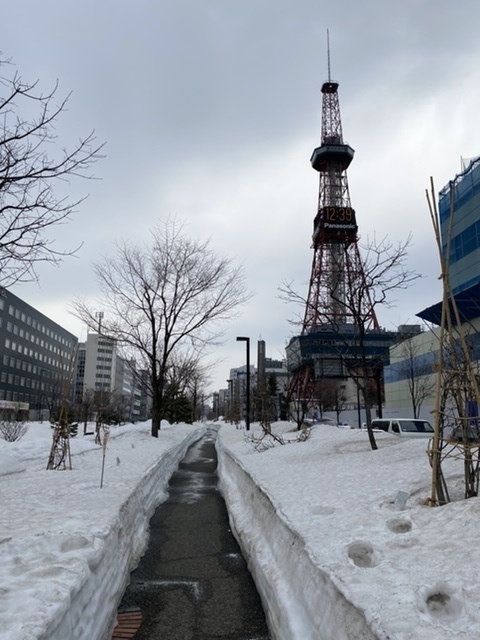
x=336, y=258
x=337, y=267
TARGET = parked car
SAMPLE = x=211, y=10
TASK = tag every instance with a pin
x=313, y=422
x=459, y=432
x=329, y=422
x=405, y=427
x=344, y=425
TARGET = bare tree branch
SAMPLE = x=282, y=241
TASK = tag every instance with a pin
x=32, y=165
x=417, y=368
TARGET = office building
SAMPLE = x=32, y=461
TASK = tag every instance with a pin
x=37, y=361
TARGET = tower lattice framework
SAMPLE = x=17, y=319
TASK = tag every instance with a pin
x=337, y=266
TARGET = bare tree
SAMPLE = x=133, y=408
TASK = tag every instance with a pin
x=51, y=393
x=165, y=298
x=32, y=166
x=354, y=296
x=86, y=407
x=263, y=404
x=298, y=407
x=331, y=395
x=267, y=438
x=417, y=369
x=185, y=379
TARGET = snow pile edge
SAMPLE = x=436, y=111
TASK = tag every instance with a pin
x=301, y=601
x=117, y=553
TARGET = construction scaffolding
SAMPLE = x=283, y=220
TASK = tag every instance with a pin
x=456, y=415
x=60, y=456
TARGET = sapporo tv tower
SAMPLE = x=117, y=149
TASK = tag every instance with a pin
x=328, y=329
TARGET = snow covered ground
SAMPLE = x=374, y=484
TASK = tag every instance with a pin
x=336, y=552
x=67, y=546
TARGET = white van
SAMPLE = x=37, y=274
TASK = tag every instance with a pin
x=406, y=427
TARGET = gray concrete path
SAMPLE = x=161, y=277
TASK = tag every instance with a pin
x=193, y=583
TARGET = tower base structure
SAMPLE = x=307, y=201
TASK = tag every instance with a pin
x=328, y=355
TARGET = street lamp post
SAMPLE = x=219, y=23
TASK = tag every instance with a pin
x=230, y=398
x=247, y=407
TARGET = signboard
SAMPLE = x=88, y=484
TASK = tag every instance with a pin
x=17, y=406
x=337, y=219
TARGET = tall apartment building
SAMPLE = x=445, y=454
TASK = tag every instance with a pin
x=100, y=363
x=37, y=356
x=101, y=368
x=127, y=388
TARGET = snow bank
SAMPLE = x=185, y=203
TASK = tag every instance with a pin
x=67, y=547
x=336, y=554
x=299, y=598
x=9, y=464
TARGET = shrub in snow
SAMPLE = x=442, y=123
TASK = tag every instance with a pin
x=72, y=428
x=11, y=431
x=268, y=438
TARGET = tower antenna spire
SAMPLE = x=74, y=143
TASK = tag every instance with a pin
x=328, y=55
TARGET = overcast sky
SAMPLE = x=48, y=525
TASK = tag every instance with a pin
x=210, y=110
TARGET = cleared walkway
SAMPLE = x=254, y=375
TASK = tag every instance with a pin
x=193, y=583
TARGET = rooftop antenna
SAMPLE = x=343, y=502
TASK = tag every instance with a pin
x=99, y=316
x=328, y=55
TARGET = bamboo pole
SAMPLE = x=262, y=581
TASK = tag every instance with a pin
x=436, y=481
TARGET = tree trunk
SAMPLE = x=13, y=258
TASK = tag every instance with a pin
x=156, y=413
x=368, y=413
x=156, y=422
x=371, y=435
x=158, y=403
